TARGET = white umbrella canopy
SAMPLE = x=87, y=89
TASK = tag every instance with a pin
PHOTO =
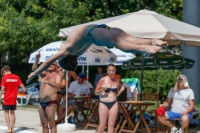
x=46, y=51
x=121, y=56
x=95, y=55
x=149, y=24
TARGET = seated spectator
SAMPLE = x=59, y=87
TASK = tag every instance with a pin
x=80, y=87
x=62, y=110
x=181, y=99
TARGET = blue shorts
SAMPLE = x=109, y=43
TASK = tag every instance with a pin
x=173, y=115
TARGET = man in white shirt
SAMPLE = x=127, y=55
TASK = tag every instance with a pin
x=80, y=87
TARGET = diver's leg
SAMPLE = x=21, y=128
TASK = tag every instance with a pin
x=109, y=38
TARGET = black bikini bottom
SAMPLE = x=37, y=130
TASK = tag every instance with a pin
x=109, y=104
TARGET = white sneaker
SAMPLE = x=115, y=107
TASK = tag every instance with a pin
x=180, y=131
x=174, y=130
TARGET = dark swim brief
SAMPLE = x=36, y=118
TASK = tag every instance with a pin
x=45, y=104
x=108, y=104
x=89, y=34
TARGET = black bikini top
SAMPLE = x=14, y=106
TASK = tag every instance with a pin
x=111, y=89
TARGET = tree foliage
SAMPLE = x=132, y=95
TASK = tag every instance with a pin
x=26, y=25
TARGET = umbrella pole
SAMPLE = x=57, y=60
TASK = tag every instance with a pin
x=83, y=69
x=158, y=79
x=66, y=127
x=66, y=104
x=141, y=77
x=87, y=71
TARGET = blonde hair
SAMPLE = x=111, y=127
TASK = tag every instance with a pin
x=186, y=84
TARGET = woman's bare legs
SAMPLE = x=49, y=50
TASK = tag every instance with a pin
x=123, y=41
x=103, y=116
x=112, y=117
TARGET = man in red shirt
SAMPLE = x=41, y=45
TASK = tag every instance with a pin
x=9, y=86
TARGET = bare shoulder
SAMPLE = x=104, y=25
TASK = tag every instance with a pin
x=58, y=74
x=103, y=78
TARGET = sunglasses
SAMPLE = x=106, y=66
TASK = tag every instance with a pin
x=180, y=80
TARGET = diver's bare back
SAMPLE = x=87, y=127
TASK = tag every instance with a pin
x=77, y=41
x=48, y=93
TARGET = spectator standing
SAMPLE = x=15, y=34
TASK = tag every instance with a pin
x=50, y=84
x=98, y=76
x=9, y=84
x=109, y=88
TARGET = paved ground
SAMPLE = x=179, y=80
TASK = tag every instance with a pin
x=27, y=121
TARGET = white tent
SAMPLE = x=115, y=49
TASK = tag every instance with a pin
x=149, y=24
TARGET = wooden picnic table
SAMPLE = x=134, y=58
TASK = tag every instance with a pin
x=88, y=107
x=127, y=108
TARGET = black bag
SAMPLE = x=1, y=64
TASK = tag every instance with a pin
x=68, y=63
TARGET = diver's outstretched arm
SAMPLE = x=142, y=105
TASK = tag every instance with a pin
x=45, y=65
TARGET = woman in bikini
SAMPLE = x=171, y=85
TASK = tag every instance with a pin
x=82, y=37
x=109, y=88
